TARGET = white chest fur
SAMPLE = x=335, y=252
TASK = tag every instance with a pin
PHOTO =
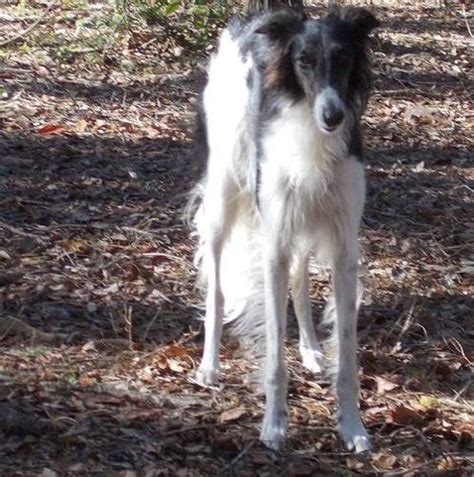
x=297, y=154
x=299, y=160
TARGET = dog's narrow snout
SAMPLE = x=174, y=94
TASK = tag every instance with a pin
x=329, y=110
x=332, y=116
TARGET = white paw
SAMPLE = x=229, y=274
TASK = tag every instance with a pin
x=208, y=378
x=312, y=359
x=354, y=435
x=273, y=432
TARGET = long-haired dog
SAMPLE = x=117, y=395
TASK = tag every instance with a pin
x=280, y=129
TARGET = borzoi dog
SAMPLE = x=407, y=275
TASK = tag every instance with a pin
x=280, y=129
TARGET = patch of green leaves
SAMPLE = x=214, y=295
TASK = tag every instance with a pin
x=195, y=21
x=70, y=377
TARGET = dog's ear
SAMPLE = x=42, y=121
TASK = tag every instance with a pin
x=281, y=26
x=361, y=19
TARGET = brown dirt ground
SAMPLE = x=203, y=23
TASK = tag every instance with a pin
x=97, y=331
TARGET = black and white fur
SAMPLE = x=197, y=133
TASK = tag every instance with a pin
x=284, y=181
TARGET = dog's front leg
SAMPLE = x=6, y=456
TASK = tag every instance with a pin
x=352, y=430
x=275, y=264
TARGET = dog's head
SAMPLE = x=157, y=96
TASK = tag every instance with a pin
x=322, y=60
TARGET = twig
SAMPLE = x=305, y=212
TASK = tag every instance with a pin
x=129, y=325
x=7, y=69
x=165, y=255
x=458, y=347
x=150, y=324
x=455, y=41
x=153, y=233
x=21, y=233
x=31, y=27
x=138, y=231
x=466, y=20
x=237, y=457
x=123, y=393
x=408, y=91
x=148, y=43
x=406, y=325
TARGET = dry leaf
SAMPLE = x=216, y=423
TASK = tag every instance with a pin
x=42, y=71
x=386, y=461
x=384, y=385
x=51, y=129
x=176, y=350
x=75, y=245
x=404, y=415
x=428, y=402
x=80, y=126
x=232, y=414
x=5, y=255
x=89, y=346
x=175, y=366
x=48, y=473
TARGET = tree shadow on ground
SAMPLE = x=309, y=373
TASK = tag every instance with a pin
x=394, y=49
x=129, y=431
x=170, y=88
x=63, y=190
x=90, y=229
x=44, y=179
x=434, y=20
x=421, y=82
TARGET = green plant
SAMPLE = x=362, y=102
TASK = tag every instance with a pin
x=195, y=21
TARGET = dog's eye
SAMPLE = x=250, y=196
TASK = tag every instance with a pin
x=305, y=60
x=342, y=56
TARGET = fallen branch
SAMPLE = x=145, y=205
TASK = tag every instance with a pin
x=466, y=20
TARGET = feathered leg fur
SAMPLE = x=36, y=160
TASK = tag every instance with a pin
x=310, y=350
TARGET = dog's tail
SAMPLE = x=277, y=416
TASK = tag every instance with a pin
x=241, y=276
x=242, y=282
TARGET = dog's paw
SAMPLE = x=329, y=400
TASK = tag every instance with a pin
x=312, y=359
x=273, y=433
x=354, y=436
x=208, y=378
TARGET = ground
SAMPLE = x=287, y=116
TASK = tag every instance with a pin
x=98, y=331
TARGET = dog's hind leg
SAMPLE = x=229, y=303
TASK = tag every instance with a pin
x=217, y=217
x=310, y=350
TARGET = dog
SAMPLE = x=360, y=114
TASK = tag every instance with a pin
x=280, y=130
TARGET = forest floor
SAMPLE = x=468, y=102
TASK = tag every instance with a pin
x=98, y=333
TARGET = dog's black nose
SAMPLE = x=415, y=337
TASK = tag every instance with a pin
x=332, y=116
